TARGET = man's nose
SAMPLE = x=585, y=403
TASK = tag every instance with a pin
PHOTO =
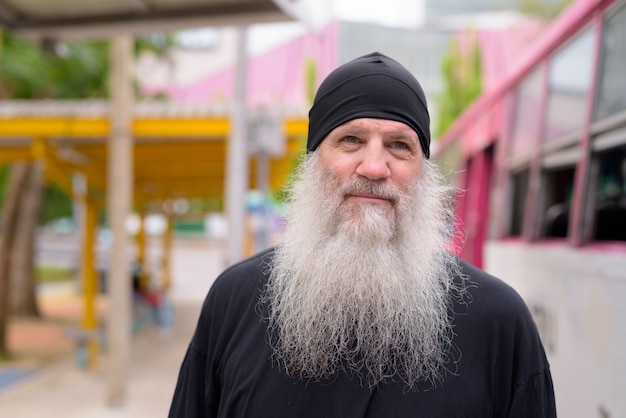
x=373, y=164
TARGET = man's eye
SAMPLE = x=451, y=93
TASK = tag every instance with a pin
x=350, y=139
x=400, y=145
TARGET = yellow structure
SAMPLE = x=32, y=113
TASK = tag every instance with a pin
x=90, y=285
x=176, y=154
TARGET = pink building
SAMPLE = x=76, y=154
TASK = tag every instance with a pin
x=279, y=77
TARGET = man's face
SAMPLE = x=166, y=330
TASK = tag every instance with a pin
x=377, y=152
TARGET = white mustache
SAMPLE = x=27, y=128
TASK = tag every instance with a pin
x=375, y=188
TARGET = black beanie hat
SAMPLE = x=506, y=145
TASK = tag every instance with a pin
x=371, y=86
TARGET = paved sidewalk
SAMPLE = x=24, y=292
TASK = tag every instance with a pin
x=62, y=389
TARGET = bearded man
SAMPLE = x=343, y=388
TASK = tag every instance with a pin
x=362, y=310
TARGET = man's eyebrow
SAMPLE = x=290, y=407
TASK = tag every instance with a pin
x=404, y=136
x=394, y=135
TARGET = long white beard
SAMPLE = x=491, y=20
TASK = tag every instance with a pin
x=363, y=288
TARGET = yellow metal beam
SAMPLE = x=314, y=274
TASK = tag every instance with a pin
x=184, y=127
x=179, y=156
x=206, y=185
x=144, y=277
x=181, y=127
x=53, y=170
x=27, y=127
x=9, y=155
x=100, y=127
x=166, y=260
x=90, y=284
x=96, y=176
x=296, y=127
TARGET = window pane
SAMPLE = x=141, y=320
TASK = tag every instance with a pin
x=612, y=87
x=526, y=118
x=520, y=190
x=611, y=196
x=569, y=82
x=558, y=189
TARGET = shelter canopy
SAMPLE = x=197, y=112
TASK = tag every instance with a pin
x=179, y=151
x=81, y=19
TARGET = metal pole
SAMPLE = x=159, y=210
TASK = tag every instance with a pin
x=120, y=180
x=263, y=168
x=237, y=158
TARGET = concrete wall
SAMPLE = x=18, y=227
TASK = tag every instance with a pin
x=578, y=300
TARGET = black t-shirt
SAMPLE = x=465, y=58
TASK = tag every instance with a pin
x=228, y=371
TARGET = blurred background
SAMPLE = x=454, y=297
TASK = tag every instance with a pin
x=145, y=145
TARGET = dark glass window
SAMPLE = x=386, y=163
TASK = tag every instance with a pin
x=519, y=183
x=557, y=195
x=610, y=196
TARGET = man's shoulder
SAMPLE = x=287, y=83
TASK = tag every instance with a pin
x=249, y=274
x=491, y=293
x=479, y=278
x=230, y=305
x=238, y=288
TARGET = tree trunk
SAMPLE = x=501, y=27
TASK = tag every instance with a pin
x=19, y=174
x=23, y=299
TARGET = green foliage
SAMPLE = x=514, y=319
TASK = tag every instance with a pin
x=4, y=181
x=23, y=68
x=54, y=274
x=79, y=70
x=543, y=9
x=62, y=70
x=462, y=79
x=156, y=43
x=56, y=204
x=310, y=80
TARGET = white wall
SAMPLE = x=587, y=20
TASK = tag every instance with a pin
x=578, y=299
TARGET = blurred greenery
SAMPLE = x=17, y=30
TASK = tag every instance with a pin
x=542, y=8
x=57, y=204
x=54, y=274
x=462, y=83
x=462, y=70
x=79, y=70
x=52, y=70
x=62, y=70
x=4, y=176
